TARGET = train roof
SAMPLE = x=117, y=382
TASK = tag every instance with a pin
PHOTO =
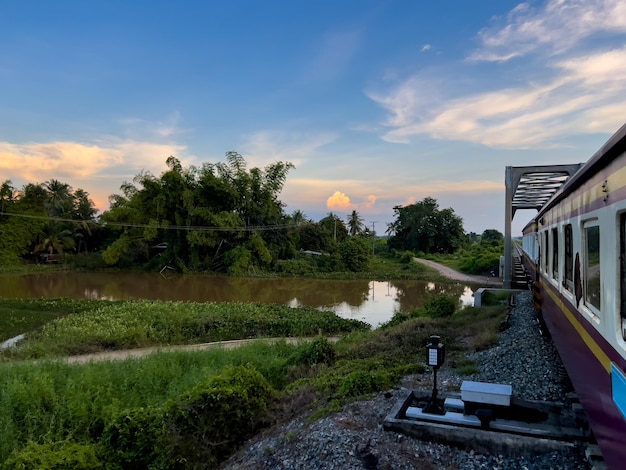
x=613, y=148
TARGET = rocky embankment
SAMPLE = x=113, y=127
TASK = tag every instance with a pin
x=354, y=438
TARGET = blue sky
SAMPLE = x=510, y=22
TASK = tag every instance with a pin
x=377, y=103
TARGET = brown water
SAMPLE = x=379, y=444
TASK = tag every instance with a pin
x=371, y=301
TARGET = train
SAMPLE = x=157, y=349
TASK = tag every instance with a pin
x=574, y=252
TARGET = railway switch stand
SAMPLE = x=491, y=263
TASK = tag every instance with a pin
x=435, y=356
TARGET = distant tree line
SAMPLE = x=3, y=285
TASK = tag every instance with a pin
x=219, y=217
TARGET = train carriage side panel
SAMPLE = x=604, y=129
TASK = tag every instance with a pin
x=581, y=275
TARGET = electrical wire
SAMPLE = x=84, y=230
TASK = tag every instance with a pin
x=200, y=228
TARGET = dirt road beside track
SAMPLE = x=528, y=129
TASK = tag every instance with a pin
x=484, y=281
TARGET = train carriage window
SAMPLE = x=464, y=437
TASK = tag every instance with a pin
x=555, y=253
x=568, y=248
x=591, y=274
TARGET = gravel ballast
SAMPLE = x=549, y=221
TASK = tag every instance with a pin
x=354, y=438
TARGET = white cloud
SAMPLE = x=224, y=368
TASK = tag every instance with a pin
x=265, y=147
x=426, y=47
x=556, y=27
x=141, y=129
x=578, y=90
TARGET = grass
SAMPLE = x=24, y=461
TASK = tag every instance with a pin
x=20, y=315
x=104, y=326
x=49, y=401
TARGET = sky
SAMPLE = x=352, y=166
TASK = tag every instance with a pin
x=377, y=103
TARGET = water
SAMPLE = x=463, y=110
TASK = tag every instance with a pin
x=374, y=302
x=9, y=343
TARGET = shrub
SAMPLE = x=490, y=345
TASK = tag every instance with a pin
x=206, y=426
x=136, y=440
x=296, y=267
x=55, y=456
x=196, y=430
x=440, y=306
x=407, y=257
x=362, y=382
x=318, y=351
x=355, y=253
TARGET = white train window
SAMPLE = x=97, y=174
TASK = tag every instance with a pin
x=591, y=273
x=568, y=252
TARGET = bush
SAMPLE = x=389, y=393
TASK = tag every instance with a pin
x=318, y=351
x=362, y=382
x=136, y=440
x=355, y=253
x=206, y=426
x=440, y=306
x=407, y=257
x=296, y=267
x=55, y=456
x=198, y=429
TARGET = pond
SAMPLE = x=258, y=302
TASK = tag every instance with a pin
x=374, y=302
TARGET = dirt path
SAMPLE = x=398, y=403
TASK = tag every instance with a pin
x=128, y=353
x=457, y=276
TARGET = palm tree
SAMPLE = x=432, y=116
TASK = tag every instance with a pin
x=84, y=214
x=7, y=195
x=59, y=201
x=54, y=237
x=299, y=218
x=355, y=223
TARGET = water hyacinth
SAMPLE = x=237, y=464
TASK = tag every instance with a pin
x=144, y=323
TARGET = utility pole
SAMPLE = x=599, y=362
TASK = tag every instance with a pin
x=373, y=235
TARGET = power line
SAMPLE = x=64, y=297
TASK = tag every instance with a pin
x=201, y=228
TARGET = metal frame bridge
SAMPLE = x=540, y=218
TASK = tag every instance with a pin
x=529, y=187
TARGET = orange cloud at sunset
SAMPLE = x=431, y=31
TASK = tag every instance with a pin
x=41, y=161
x=338, y=201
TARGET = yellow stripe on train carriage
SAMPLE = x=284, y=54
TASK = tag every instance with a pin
x=600, y=190
x=585, y=336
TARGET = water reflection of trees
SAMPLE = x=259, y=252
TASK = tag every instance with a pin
x=413, y=294
x=205, y=288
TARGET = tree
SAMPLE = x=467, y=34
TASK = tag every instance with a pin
x=355, y=224
x=423, y=227
x=299, y=218
x=54, y=237
x=207, y=211
x=491, y=237
x=7, y=196
x=59, y=198
x=355, y=253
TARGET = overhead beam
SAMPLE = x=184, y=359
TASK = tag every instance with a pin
x=529, y=187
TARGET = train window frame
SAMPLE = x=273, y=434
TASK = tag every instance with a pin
x=568, y=257
x=592, y=298
x=555, y=252
x=622, y=272
x=543, y=247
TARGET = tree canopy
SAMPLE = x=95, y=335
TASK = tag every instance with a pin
x=424, y=227
x=43, y=218
x=221, y=216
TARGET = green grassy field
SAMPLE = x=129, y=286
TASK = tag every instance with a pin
x=50, y=409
